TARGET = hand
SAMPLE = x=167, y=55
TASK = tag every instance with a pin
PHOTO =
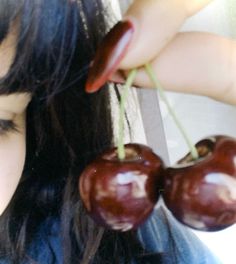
x=199, y=63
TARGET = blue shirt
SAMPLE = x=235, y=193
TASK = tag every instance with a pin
x=161, y=233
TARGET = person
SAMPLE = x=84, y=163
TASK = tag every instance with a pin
x=51, y=128
x=154, y=37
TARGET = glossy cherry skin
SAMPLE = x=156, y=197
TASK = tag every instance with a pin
x=121, y=194
x=202, y=193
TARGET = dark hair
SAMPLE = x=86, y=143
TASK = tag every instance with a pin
x=66, y=128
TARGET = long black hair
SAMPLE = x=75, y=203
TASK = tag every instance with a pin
x=66, y=128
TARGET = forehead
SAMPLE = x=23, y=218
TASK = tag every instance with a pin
x=8, y=51
x=14, y=102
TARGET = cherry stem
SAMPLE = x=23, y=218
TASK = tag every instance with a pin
x=124, y=95
x=158, y=86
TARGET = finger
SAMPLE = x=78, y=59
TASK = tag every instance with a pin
x=197, y=63
x=155, y=23
x=147, y=27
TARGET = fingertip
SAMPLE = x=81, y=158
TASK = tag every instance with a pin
x=109, y=54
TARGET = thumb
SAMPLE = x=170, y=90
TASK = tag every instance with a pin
x=155, y=23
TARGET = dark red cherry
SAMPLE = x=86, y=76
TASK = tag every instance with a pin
x=202, y=193
x=121, y=194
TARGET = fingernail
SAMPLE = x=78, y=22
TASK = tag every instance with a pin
x=109, y=55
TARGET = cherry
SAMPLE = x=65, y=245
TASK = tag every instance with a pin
x=121, y=194
x=202, y=193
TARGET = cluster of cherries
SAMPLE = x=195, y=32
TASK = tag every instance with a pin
x=200, y=192
x=121, y=194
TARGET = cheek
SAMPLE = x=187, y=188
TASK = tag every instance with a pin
x=12, y=158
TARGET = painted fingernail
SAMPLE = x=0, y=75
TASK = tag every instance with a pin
x=109, y=55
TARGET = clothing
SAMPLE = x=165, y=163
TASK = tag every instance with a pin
x=161, y=233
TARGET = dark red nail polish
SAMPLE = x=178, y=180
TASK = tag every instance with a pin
x=109, y=55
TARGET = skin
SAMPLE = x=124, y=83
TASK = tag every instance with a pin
x=170, y=53
x=12, y=143
x=210, y=59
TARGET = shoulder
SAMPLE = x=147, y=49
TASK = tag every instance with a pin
x=46, y=245
x=175, y=242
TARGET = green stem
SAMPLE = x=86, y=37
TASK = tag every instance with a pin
x=128, y=84
x=158, y=86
